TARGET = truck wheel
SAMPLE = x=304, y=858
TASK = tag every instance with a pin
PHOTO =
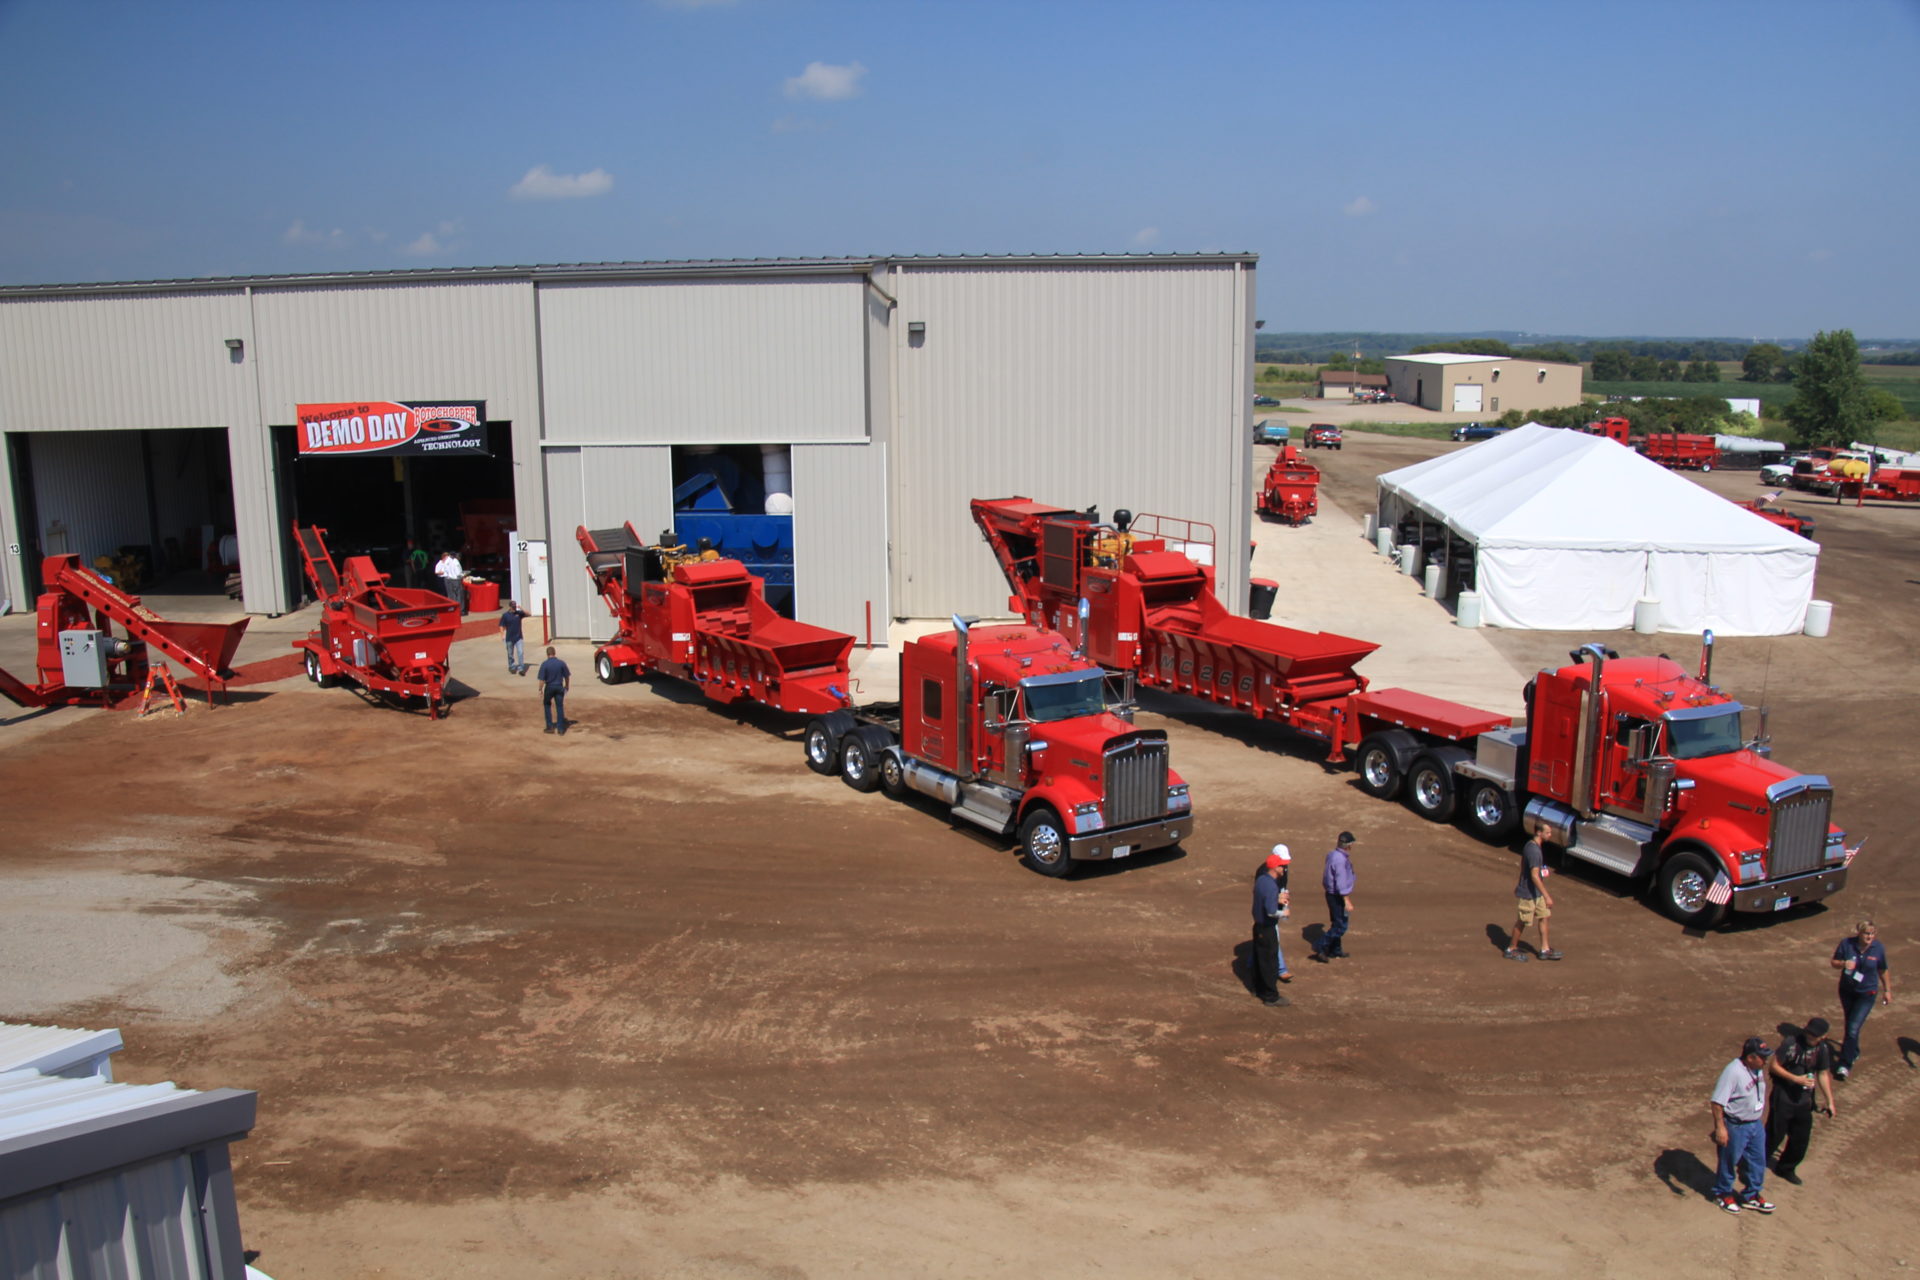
x=1430, y=789
x=315, y=673
x=1379, y=767
x=608, y=673
x=1491, y=812
x=893, y=775
x=1705, y=467
x=1043, y=842
x=860, y=753
x=1682, y=891
x=823, y=753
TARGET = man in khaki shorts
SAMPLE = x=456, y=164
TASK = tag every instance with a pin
x=1531, y=899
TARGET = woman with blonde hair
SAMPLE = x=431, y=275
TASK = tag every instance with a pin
x=1862, y=963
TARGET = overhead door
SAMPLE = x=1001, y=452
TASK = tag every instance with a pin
x=1466, y=397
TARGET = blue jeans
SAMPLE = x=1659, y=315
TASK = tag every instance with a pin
x=517, y=655
x=553, y=705
x=1329, y=944
x=1746, y=1150
x=1857, y=1005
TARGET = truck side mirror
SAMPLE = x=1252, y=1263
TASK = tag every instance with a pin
x=994, y=711
x=1639, y=743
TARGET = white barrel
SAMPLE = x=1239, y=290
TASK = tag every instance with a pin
x=1373, y=524
x=776, y=473
x=1646, y=615
x=1383, y=541
x=1436, y=580
x=1410, y=559
x=1819, y=618
x=1467, y=609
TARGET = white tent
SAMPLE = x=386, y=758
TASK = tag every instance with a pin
x=1571, y=530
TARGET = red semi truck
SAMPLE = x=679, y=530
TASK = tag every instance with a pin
x=1632, y=764
x=1006, y=725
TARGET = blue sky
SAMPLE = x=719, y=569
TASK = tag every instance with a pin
x=1723, y=169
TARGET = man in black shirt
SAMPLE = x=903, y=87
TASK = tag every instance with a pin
x=1803, y=1060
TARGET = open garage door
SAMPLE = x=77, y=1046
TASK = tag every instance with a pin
x=1467, y=397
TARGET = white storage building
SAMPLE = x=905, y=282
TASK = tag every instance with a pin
x=882, y=393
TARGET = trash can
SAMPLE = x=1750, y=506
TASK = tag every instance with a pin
x=1264, y=591
x=1646, y=615
x=1819, y=618
x=483, y=597
x=1436, y=580
x=1467, y=609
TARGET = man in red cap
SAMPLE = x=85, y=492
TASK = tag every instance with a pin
x=1269, y=908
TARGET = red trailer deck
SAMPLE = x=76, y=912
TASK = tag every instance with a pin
x=388, y=640
x=699, y=618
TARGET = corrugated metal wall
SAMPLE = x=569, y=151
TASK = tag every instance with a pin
x=705, y=362
x=601, y=487
x=90, y=491
x=1121, y=386
x=840, y=537
x=142, y=1223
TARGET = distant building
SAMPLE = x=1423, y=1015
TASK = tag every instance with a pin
x=1339, y=385
x=1449, y=383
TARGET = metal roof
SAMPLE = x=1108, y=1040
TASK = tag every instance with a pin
x=1446, y=357
x=57, y=1051
x=587, y=271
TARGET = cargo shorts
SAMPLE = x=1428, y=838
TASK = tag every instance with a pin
x=1533, y=910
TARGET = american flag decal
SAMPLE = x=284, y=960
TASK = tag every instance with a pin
x=1720, y=892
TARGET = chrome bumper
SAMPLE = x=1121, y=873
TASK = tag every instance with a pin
x=1122, y=842
x=1778, y=895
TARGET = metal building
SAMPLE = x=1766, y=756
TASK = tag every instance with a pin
x=1447, y=382
x=883, y=393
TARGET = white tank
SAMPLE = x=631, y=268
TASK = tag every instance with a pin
x=776, y=476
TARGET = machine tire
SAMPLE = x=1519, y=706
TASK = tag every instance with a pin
x=315, y=674
x=1431, y=792
x=1491, y=811
x=822, y=749
x=1705, y=467
x=860, y=754
x=609, y=674
x=1680, y=891
x=893, y=775
x=1043, y=842
x=1378, y=762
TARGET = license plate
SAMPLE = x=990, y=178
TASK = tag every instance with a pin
x=1781, y=904
x=1122, y=850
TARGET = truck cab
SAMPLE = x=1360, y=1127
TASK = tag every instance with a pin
x=1637, y=766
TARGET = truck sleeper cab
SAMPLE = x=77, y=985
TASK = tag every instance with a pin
x=1636, y=767
x=1018, y=735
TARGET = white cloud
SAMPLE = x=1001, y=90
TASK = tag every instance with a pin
x=435, y=242
x=824, y=82
x=301, y=233
x=542, y=183
x=1146, y=237
x=1358, y=207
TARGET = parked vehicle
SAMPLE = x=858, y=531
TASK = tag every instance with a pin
x=1681, y=451
x=1632, y=764
x=1291, y=492
x=1271, y=433
x=1005, y=724
x=1767, y=508
x=1323, y=435
x=1775, y=474
x=391, y=641
x=1264, y=402
x=1478, y=431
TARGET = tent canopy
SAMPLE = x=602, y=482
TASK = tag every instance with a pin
x=1571, y=530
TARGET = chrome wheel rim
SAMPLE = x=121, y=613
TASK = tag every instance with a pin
x=1045, y=845
x=1426, y=788
x=1689, y=890
x=1374, y=767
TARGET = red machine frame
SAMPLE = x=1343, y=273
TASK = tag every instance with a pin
x=1292, y=490
x=391, y=640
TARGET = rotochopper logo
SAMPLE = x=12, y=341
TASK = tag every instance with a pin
x=392, y=427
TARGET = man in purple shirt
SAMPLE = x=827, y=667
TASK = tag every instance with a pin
x=1337, y=882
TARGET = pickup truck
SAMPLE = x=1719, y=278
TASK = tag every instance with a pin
x=1323, y=435
x=1477, y=431
x=1270, y=433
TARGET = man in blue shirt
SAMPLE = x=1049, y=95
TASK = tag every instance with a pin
x=1337, y=882
x=510, y=619
x=1269, y=906
x=555, y=679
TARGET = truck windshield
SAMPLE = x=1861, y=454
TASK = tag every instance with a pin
x=1705, y=731
x=1062, y=697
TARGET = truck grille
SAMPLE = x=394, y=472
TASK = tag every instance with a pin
x=1798, y=842
x=1136, y=781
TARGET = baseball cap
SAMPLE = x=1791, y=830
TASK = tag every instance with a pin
x=1346, y=837
x=1755, y=1044
x=1815, y=1028
x=1280, y=856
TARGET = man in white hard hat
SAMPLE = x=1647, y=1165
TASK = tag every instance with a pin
x=1270, y=900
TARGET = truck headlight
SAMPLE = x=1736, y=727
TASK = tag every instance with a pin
x=1087, y=817
x=1837, y=846
x=1751, y=868
x=1178, y=800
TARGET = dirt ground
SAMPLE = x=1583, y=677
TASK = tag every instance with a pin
x=651, y=999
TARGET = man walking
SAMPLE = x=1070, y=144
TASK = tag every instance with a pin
x=1533, y=904
x=1337, y=882
x=1738, y=1103
x=510, y=629
x=1802, y=1059
x=1269, y=909
x=554, y=680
